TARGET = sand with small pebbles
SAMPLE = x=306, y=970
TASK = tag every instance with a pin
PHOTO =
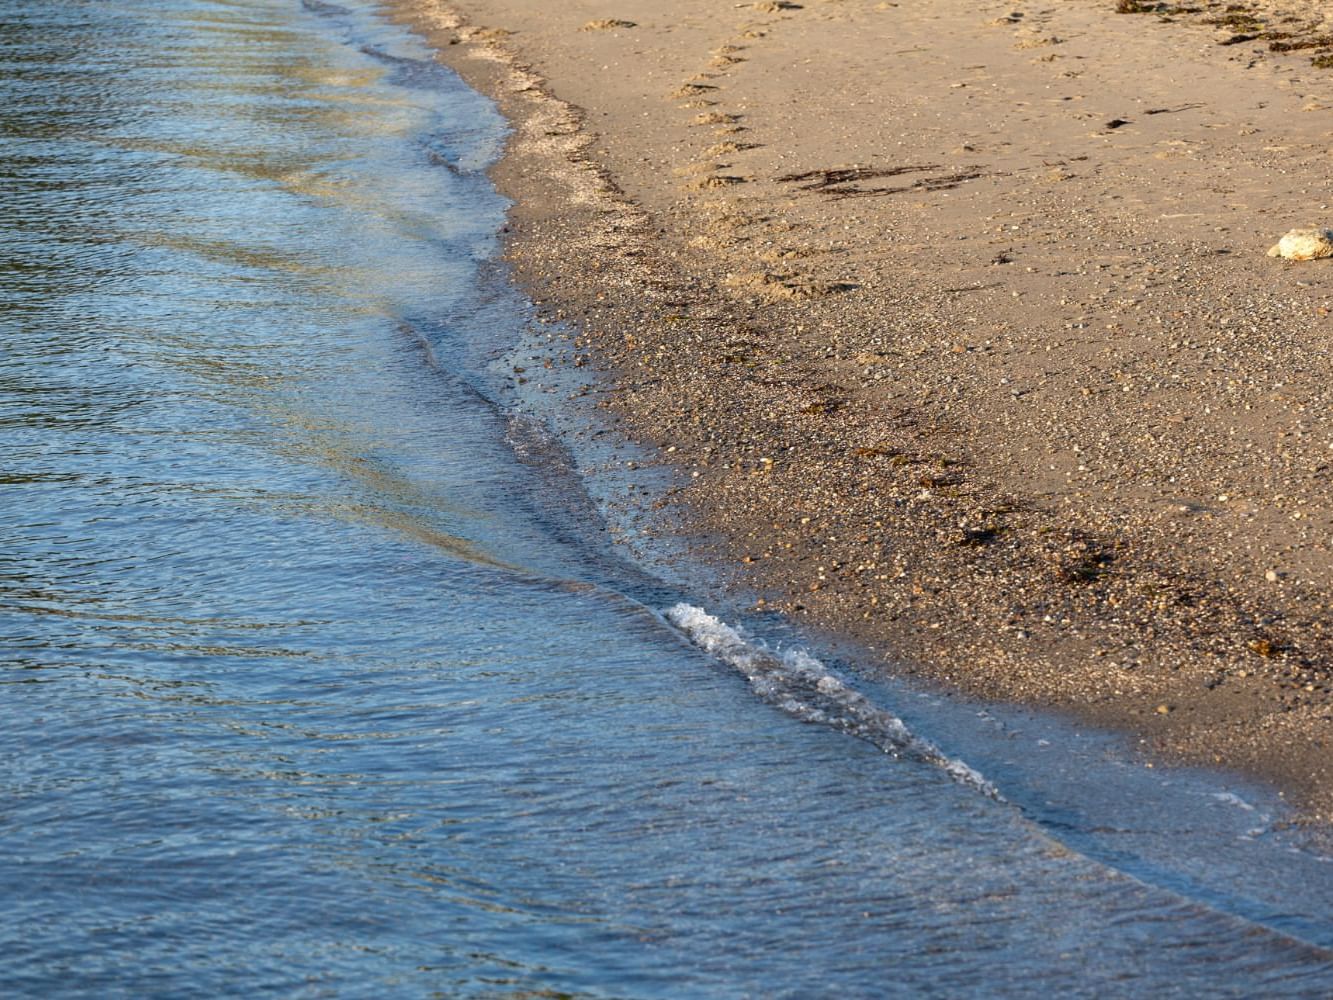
x=958, y=320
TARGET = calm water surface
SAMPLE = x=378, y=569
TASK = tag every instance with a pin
x=313, y=685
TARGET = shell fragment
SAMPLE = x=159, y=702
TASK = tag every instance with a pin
x=1304, y=244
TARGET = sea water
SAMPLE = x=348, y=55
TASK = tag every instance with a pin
x=321, y=678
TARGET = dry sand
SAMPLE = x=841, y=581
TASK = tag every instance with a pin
x=958, y=318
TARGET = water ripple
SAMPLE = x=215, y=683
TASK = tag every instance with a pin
x=319, y=677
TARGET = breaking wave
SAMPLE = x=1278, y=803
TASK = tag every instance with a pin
x=804, y=688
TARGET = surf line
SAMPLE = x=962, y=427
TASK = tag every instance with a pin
x=800, y=685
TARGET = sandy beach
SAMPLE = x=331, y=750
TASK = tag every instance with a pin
x=958, y=321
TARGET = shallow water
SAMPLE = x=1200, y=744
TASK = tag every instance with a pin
x=321, y=679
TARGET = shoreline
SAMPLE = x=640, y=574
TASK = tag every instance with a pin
x=927, y=402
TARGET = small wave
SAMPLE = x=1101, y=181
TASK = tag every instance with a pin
x=532, y=441
x=325, y=9
x=804, y=688
x=1232, y=799
x=413, y=72
x=1265, y=820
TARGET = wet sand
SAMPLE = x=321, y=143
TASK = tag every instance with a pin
x=958, y=321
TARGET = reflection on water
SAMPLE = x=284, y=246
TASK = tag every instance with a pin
x=303, y=691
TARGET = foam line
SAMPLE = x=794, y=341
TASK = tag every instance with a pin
x=804, y=688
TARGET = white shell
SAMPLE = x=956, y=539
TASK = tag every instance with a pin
x=1304, y=244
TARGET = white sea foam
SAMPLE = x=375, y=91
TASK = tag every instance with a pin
x=1265, y=820
x=1232, y=799
x=803, y=687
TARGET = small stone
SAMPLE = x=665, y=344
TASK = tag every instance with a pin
x=1163, y=710
x=1271, y=576
x=1304, y=244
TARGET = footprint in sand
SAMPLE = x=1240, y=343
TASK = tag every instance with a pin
x=726, y=55
x=716, y=118
x=728, y=148
x=695, y=169
x=690, y=90
x=1035, y=41
x=714, y=181
x=607, y=24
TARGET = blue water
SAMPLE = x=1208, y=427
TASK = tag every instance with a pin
x=321, y=677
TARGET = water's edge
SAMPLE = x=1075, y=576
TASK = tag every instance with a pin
x=344, y=653
x=555, y=401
